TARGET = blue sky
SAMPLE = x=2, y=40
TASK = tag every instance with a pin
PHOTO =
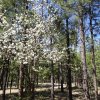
x=45, y=13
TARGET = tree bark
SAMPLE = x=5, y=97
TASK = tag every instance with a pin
x=52, y=71
x=93, y=56
x=6, y=65
x=83, y=59
x=11, y=84
x=32, y=76
x=52, y=80
x=58, y=76
x=21, y=81
x=61, y=78
x=68, y=68
x=1, y=79
x=27, y=79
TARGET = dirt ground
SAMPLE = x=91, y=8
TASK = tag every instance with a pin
x=42, y=92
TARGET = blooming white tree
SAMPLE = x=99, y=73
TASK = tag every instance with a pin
x=29, y=36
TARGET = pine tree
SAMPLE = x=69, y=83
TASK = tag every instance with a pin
x=92, y=50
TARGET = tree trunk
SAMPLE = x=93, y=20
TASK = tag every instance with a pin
x=4, y=86
x=37, y=79
x=6, y=65
x=68, y=68
x=7, y=84
x=21, y=81
x=52, y=71
x=61, y=78
x=27, y=80
x=1, y=79
x=18, y=71
x=93, y=56
x=52, y=80
x=83, y=59
x=33, y=85
x=32, y=76
x=11, y=84
x=58, y=76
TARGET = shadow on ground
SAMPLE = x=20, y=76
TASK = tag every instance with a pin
x=45, y=94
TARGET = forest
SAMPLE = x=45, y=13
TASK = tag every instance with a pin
x=49, y=49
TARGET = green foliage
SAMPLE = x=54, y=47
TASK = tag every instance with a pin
x=97, y=61
x=7, y=3
x=44, y=73
x=36, y=25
